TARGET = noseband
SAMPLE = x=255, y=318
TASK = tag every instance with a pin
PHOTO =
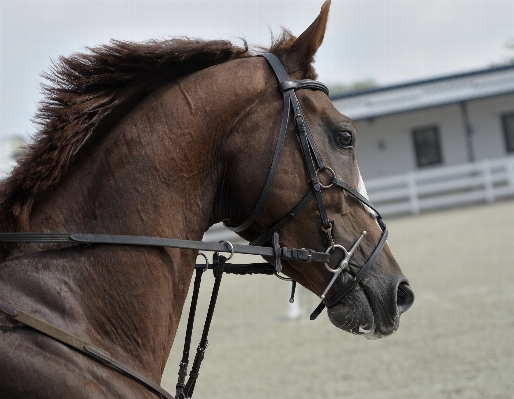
x=315, y=166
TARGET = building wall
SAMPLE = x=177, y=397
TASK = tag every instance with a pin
x=485, y=117
x=385, y=145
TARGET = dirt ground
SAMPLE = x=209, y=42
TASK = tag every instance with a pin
x=457, y=341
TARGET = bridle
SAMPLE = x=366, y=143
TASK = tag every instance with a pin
x=315, y=166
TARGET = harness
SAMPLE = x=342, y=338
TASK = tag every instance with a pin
x=315, y=166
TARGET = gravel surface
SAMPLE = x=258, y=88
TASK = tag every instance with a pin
x=457, y=340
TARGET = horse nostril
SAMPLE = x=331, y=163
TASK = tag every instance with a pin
x=404, y=297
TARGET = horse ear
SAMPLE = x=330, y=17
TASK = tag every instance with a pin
x=301, y=53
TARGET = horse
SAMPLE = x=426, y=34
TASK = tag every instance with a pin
x=164, y=139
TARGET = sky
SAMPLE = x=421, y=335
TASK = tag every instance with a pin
x=390, y=41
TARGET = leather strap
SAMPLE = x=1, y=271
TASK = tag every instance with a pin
x=243, y=268
x=79, y=344
x=202, y=346
x=303, y=84
x=285, y=253
x=284, y=221
x=182, y=372
x=273, y=170
x=290, y=101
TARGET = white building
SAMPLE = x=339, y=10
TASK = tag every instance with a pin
x=433, y=123
x=436, y=143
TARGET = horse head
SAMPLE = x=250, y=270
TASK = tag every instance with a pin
x=315, y=177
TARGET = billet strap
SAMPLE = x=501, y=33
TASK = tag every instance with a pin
x=303, y=84
x=285, y=253
x=79, y=344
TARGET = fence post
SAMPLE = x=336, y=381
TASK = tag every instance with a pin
x=509, y=166
x=488, y=181
x=413, y=193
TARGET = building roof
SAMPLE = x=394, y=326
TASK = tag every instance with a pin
x=426, y=93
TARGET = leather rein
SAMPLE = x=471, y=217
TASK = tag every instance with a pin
x=315, y=166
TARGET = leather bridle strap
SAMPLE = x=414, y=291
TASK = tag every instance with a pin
x=290, y=101
x=285, y=253
x=315, y=164
x=309, y=148
x=79, y=344
x=284, y=221
x=272, y=171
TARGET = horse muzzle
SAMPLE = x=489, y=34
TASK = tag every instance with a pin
x=373, y=310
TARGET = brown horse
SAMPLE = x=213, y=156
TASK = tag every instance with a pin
x=165, y=139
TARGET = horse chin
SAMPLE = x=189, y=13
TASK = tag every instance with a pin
x=355, y=315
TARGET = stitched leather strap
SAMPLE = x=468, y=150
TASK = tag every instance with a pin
x=79, y=344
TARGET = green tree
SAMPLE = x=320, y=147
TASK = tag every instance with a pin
x=341, y=88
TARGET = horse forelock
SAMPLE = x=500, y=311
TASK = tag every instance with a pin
x=87, y=93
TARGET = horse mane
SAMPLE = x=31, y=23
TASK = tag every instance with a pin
x=88, y=92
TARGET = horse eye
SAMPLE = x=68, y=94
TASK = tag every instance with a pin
x=344, y=138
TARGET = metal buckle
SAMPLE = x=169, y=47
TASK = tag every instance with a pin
x=328, y=232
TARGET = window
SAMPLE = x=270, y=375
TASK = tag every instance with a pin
x=508, y=131
x=427, y=146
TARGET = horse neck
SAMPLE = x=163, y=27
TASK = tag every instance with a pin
x=156, y=173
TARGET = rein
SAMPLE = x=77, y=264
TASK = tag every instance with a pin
x=315, y=166
x=183, y=390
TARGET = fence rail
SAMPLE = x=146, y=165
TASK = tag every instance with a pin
x=415, y=192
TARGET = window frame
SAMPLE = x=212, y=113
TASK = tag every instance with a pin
x=415, y=132
x=509, y=145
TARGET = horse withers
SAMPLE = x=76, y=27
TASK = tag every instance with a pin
x=164, y=139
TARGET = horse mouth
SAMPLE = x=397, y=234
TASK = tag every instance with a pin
x=362, y=314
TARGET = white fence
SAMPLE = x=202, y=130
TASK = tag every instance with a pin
x=415, y=192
